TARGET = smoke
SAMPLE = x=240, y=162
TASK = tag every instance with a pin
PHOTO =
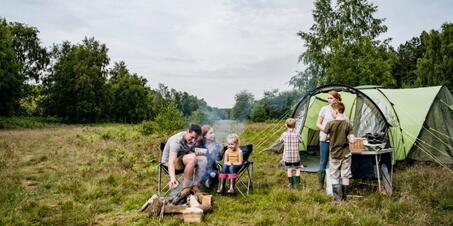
x=224, y=127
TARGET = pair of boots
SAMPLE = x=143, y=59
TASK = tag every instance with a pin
x=222, y=180
x=340, y=192
x=294, y=181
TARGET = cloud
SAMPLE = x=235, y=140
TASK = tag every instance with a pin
x=212, y=49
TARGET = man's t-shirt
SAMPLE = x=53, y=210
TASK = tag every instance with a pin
x=177, y=144
x=338, y=131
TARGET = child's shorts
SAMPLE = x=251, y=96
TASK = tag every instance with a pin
x=340, y=167
x=292, y=164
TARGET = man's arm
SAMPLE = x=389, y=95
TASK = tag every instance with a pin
x=171, y=168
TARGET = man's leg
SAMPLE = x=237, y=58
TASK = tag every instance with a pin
x=189, y=161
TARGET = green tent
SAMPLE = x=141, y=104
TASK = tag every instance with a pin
x=418, y=121
x=421, y=119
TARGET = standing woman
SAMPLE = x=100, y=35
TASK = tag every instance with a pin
x=325, y=116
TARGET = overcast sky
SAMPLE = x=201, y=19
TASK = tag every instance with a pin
x=212, y=49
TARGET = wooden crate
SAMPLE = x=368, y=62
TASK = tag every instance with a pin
x=358, y=144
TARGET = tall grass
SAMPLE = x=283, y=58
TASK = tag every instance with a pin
x=84, y=175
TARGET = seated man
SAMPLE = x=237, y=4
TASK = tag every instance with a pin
x=178, y=155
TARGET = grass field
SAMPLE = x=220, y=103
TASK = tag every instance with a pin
x=102, y=174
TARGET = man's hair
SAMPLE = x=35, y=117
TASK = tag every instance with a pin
x=195, y=128
x=338, y=106
x=290, y=123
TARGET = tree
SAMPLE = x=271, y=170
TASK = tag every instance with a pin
x=243, y=106
x=259, y=113
x=76, y=88
x=435, y=67
x=343, y=42
x=130, y=101
x=33, y=57
x=406, y=64
x=11, y=79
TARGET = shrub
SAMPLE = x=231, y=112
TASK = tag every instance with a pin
x=166, y=122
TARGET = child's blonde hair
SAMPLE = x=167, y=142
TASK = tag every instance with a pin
x=291, y=123
x=234, y=137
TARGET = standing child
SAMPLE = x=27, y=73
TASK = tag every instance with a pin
x=232, y=163
x=341, y=134
x=291, y=156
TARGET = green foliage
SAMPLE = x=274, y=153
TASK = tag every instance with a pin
x=361, y=63
x=426, y=60
x=243, y=105
x=435, y=67
x=76, y=88
x=166, y=122
x=202, y=116
x=26, y=122
x=406, y=64
x=259, y=113
x=32, y=102
x=11, y=80
x=130, y=102
x=33, y=57
x=274, y=105
x=342, y=43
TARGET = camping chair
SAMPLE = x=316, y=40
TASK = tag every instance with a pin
x=244, y=181
x=164, y=169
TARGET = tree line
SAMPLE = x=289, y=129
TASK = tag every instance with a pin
x=73, y=82
x=343, y=46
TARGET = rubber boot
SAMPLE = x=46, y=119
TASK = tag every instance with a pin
x=296, y=182
x=290, y=182
x=344, y=196
x=232, y=178
x=321, y=178
x=222, y=180
x=336, y=190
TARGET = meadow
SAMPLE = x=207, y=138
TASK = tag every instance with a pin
x=101, y=174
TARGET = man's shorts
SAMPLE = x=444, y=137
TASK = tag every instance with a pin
x=340, y=167
x=179, y=164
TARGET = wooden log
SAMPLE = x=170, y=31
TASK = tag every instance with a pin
x=174, y=209
x=153, y=206
x=206, y=203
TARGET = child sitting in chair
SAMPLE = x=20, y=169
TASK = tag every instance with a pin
x=232, y=163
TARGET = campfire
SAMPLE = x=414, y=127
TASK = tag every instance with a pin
x=190, y=204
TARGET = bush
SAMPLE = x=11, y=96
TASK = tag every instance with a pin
x=25, y=122
x=165, y=123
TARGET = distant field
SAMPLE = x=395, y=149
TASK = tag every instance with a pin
x=102, y=174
